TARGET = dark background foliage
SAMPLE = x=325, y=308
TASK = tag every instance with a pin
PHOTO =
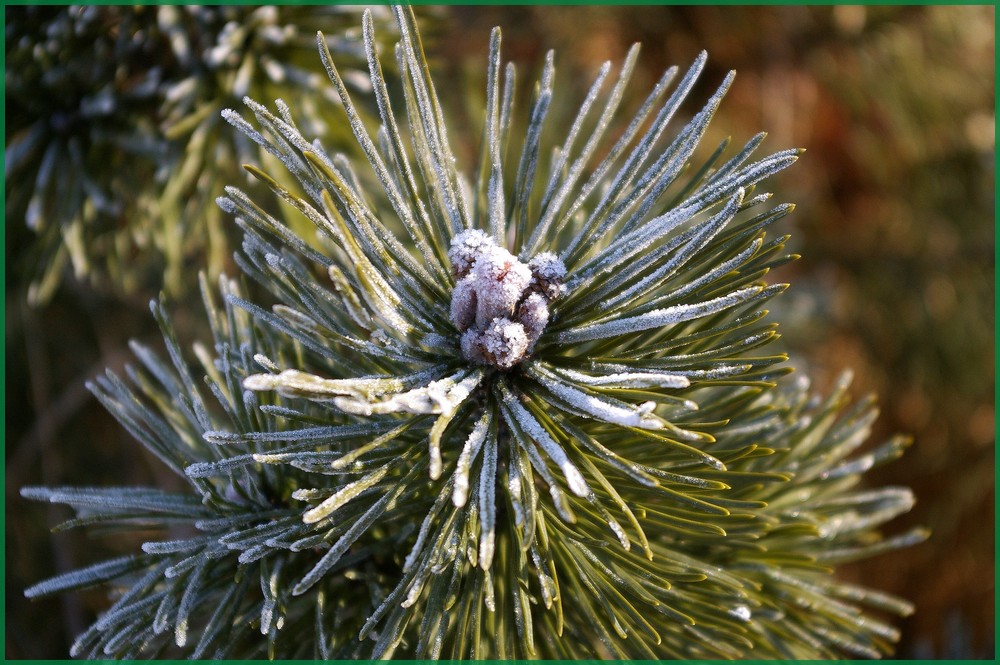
x=895, y=106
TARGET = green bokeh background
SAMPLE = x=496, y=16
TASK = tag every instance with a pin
x=895, y=223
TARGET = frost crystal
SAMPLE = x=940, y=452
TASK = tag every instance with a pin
x=500, y=280
x=500, y=305
x=533, y=315
x=504, y=343
x=547, y=274
x=465, y=247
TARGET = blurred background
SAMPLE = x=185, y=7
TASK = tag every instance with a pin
x=895, y=225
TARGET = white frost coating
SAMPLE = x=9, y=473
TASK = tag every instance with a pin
x=500, y=305
x=487, y=504
x=296, y=383
x=534, y=316
x=237, y=121
x=547, y=266
x=609, y=411
x=293, y=316
x=500, y=280
x=514, y=491
x=265, y=362
x=700, y=236
x=435, y=340
x=472, y=348
x=228, y=205
x=620, y=534
x=487, y=547
x=436, y=397
x=720, y=372
x=343, y=496
x=382, y=298
x=465, y=248
x=463, y=303
x=576, y=481
x=448, y=395
x=504, y=343
x=634, y=242
x=534, y=429
x=414, y=593
x=490, y=600
x=303, y=494
x=741, y=612
x=722, y=269
x=460, y=493
x=658, y=317
x=630, y=379
x=352, y=304
x=547, y=274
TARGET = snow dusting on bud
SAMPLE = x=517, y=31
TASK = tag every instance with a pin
x=500, y=305
x=465, y=248
x=463, y=304
x=504, y=343
x=500, y=281
x=472, y=347
x=547, y=274
x=534, y=315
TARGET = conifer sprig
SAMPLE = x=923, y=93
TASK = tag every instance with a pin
x=114, y=136
x=523, y=413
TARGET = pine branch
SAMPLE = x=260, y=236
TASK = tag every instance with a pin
x=518, y=414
